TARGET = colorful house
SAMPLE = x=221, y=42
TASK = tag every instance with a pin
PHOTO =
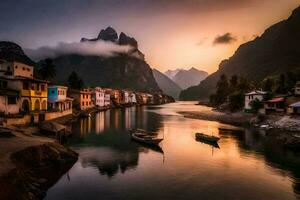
x=57, y=98
x=98, y=97
x=33, y=92
x=276, y=104
x=82, y=98
x=294, y=108
x=249, y=97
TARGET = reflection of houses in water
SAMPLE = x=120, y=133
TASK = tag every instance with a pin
x=99, y=122
x=85, y=126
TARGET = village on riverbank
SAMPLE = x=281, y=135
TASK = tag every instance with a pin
x=25, y=99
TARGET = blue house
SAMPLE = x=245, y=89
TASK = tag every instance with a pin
x=57, y=98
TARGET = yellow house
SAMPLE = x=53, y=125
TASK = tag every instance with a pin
x=33, y=92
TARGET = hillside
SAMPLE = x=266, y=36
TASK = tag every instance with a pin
x=275, y=51
x=10, y=51
x=167, y=85
x=124, y=71
x=188, y=78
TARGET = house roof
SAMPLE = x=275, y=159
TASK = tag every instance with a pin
x=256, y=92
x=276, y=100
x=23, y=78
x=295, y=105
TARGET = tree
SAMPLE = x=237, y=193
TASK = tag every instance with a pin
x=47, y=70
x=222, y=91
x=234, y=81
x=244, y=85
x=75, y=82
x=268, y=84
x=236, y=101
x=256, y=105
x=281, y=88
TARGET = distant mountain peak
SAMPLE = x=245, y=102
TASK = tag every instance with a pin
x=108, y=34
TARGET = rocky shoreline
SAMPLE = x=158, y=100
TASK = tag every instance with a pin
x=37, y=168
x=285, y=130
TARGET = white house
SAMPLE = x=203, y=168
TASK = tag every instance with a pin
x=98, y=97
x=249, y=97
x=107, y=98
x=133, y=98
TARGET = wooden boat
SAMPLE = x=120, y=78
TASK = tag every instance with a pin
x=207, y=138
x=145, y=138
x=143, y=131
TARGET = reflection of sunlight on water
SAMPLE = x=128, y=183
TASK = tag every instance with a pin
x=111, y=166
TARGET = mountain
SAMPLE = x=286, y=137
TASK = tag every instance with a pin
x=124, y=71
x=10, y=51
x=187, y=78
x=276, y=51
x=166, y=84
x=171, y=73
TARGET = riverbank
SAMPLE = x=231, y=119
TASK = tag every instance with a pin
x=30, y=164
x=238, y=119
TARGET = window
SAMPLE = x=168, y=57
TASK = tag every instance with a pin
x=25, y=86
x=23, y=68
x=3, y=84
x=52, y=92
x=82, y=103
x=11, y=100
x=28, y=69
x=8, y=68
x=43, y=87
x=32, y=86
x=16, y=66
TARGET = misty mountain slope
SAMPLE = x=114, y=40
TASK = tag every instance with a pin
x=120, y=70
x=166, y=84
x=188, y=78
x=10, y=51
x=276, y=51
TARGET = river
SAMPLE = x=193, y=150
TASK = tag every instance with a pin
x=112, y=166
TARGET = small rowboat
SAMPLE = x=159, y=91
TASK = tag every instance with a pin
x=143, y=131
x=207, y=138
x=145, y=138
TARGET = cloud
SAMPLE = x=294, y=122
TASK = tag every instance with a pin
x=226, y=38
x=98, y=48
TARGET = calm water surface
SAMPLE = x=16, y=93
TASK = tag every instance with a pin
x=112, y=166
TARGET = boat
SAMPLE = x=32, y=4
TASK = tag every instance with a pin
x=207, y=138
x=145, y=138
x=143, y=131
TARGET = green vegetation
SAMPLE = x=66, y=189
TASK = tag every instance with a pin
x=47, y=70
x=75, y=82
x=231, y=91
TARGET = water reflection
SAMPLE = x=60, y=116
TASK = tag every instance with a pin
x=248, y=165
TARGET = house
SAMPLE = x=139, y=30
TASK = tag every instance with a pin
x=132, y=98
x=82, y=98
x=276, y=104
x=98, y=97
x=150, y=99
x=15, y=68
x=124, y=97
x=107, y=101
x=294, y=108
x=9, y=102
x=249, y=97
x=116, y=96
x=157, y=99
x=141, y=98
x=19, y=77
x=33, y=92
x=57, y=98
